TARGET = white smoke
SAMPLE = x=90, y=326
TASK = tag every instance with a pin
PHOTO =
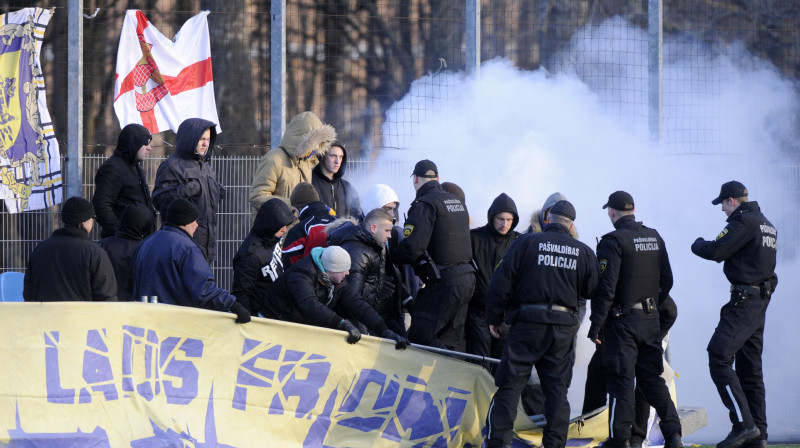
x=584, y=133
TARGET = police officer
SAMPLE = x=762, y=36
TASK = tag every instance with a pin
x=538, y=287
x=747, y=245
x=635, y=278
x=437, y=243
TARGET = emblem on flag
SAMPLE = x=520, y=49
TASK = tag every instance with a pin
x=30, y=167
x=161, y=82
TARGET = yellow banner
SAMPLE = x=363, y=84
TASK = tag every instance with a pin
x=146, y=375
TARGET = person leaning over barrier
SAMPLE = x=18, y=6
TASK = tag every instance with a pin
x=314, y=291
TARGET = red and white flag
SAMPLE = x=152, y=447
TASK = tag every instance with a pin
x=161, y=82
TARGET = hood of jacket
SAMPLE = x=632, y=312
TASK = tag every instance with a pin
x=130, y=140
x=189, y=133
x=306, y=135
x=377, y=196
x=503, y=203
x=342, y=168
x=350, y=231
x=271, y=217
x=136, y=222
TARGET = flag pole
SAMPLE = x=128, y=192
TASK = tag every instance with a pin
x=444, y=351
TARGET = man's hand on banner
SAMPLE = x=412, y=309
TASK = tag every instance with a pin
x=353, y=335
x=400, y=342
x=242, y=315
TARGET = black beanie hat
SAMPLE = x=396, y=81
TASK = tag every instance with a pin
x=563, y=208
x=304, y=193
x=181, y=212
x=76, y=210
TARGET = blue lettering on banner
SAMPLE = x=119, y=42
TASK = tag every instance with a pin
x=166, y=364
x=296, y=374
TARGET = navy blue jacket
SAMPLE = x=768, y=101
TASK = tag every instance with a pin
x=170, y=265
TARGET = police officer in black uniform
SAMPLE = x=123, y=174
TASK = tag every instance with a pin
x=537, y=288
x=635, y=278
x=437, y=243
x=748, y=247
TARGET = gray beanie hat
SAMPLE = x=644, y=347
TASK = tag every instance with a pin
x=335, y=259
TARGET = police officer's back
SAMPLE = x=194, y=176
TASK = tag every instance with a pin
x=437, y=243
x=635, y=279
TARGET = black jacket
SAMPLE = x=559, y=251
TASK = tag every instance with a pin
x=303, y=294
x=541, y=269
x=69, y=266
x=634, y=265
x=137, y=222
x=186, y=174
x=257, y=263
x=747, y=245
x=337, y=193
x=438, y=222
x=488, y=248
x=368, y=264
x=120, y=181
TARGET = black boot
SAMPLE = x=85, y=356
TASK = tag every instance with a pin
x=673, y=441
x=739, y=437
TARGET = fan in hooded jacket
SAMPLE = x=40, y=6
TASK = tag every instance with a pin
x=282, y=168
x=334, y=191
x=188, y=174
x=489, y=244
x=120, y=180
x=257, y=263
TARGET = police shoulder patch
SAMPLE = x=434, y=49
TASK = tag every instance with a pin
x=723, y=233
x=603, y=264
x=407, y=230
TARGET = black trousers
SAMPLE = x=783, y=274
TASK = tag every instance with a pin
x=739, y=338
x=478, y=338
x=440, y=309
x=595, y=394
x=551, y=349
x=633, y=350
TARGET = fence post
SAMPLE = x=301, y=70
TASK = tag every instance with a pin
x=74, y=157
x=473, y=37
x=655, y=9
x=277, y=62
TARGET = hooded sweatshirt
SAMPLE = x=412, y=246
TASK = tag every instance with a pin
x=257, y=263
x=120, y=181
x=488, y=248
x=337, y=193
x=537, y=218
x=137, y=220
x=282, y=168
x=189, y=175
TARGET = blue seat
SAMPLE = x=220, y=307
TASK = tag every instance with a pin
x=11, y=285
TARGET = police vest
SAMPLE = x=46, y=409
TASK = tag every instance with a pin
x=450, y=241
x=640, y=268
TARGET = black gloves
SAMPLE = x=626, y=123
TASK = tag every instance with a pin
x=400, y=342
x=594, y=332
x=191, y=189
x=408, y=303
x=353, y=335
x=697, y=244
x=242, y=315
x=387, y=287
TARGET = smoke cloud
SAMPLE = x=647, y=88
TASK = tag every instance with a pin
x=581, y=129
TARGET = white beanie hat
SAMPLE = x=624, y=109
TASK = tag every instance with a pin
x=335, y=259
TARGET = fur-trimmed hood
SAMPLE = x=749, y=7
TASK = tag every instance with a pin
x=306, y=136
